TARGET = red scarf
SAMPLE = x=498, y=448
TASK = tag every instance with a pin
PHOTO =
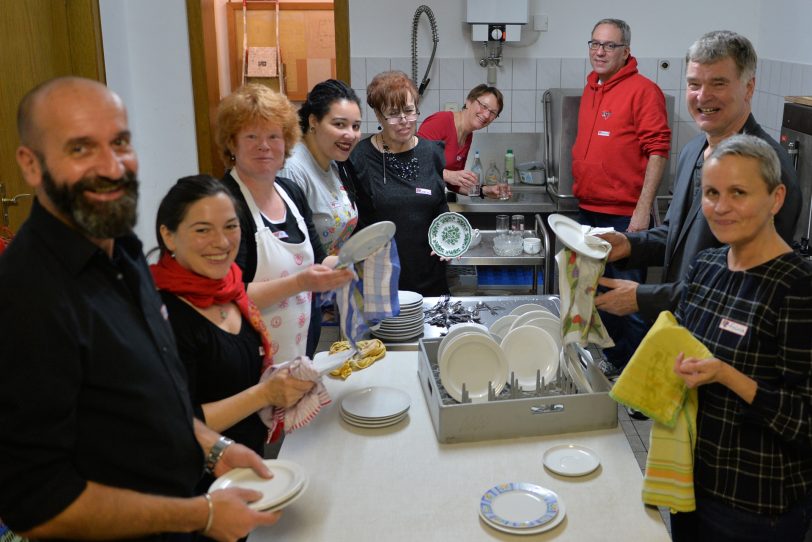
x=203, y=292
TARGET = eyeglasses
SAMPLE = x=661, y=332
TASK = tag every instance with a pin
x=608, y=46
x=484, y=107
x=409, y=115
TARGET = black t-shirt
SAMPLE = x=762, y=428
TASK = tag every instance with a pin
x=219, y=364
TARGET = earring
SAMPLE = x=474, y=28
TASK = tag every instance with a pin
x=233, y=158
x=379, y=128
x=312, y=129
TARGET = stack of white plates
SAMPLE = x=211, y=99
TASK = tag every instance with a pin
x=375, y=407
x=520, y=508
x=289, y=482
x=406, y=325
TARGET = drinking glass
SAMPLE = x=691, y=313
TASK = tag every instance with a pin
x=503, y=189
x=502, y=224
x=517, y=224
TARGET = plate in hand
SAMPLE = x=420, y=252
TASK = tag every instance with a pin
x=365, y=242
x=450, y=235
x=288, y=479
x=571, y=234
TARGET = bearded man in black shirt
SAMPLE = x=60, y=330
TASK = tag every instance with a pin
x=97, y=434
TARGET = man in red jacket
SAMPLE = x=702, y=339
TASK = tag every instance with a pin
x=619, y=157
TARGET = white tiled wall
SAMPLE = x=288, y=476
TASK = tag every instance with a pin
x=524, y=80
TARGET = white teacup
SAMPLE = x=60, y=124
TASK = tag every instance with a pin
x=531, y=245
x=476, y=238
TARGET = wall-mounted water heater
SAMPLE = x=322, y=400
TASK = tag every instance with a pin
x=496, y=20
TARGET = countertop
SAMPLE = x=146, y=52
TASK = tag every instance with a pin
x=400, y=484
x=524, y=200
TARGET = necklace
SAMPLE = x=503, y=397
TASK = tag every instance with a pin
x=404, y=166
x=223, y=313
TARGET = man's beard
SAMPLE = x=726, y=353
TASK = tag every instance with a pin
x=96, y=219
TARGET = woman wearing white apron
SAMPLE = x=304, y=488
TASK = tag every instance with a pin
x=256, y=129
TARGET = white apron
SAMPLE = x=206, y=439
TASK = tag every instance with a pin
x=288, y=320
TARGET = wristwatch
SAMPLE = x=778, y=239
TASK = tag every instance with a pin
x=216, y=453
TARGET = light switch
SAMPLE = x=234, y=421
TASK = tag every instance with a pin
x=451, y=106
x=540, y=21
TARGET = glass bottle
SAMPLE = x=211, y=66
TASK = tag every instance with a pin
x=476, y=169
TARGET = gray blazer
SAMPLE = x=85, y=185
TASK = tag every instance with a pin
x=676, y=242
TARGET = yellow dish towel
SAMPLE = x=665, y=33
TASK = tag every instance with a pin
x=649, y=384
x=368, y=353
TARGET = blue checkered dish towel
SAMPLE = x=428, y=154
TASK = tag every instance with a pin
x=371, y=297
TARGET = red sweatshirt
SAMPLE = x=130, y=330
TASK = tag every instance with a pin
x=620, y=124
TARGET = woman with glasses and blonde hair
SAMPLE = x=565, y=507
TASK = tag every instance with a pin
x=400, y=178
x=456, y=129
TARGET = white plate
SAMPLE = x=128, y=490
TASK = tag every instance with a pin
x=450, y=235
x=521, y=508
x=376, y=402
x=474, y=360
x=571, y=460
x=530, y=349
x=535, y=315
x=458, y=329
x=553, y=328
x=501, y=325
x=576, y=371
x=373, y=425
x=406, y=297
x=570, y=233
x=365, y=242
x=527, y=307
x=284, y=504
x=288, y=479
x=363, y=419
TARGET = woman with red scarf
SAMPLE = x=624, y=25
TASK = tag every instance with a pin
x=220, y=334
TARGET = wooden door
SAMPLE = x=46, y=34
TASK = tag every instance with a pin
x=39, y=39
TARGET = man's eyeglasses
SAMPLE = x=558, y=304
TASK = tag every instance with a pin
x=608, y=46
x=409, y=115
x=484, y=107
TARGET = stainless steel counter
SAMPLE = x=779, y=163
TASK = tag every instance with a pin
x=524, y=200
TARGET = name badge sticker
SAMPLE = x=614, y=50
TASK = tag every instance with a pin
x=424, y=191
x=733, y=327
x=280, y=234
x=604, y=133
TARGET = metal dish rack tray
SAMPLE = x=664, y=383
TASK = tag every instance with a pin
x=550, y=409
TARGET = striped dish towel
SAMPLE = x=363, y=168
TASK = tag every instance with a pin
x=373, y=296
x=649, y=384
x=308, y=406
x=669, y=478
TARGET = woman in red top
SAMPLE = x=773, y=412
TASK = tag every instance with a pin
x=456, y=128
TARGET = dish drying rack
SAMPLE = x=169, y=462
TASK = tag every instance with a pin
x=561, y=406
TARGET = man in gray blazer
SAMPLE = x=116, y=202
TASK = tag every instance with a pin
x=720, y=76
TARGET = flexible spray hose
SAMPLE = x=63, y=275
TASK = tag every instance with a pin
x=425, y=82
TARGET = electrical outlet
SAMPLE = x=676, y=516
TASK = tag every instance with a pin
x=451, y=106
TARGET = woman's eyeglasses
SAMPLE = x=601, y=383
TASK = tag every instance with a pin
x=409, y=115
x=484, y=107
